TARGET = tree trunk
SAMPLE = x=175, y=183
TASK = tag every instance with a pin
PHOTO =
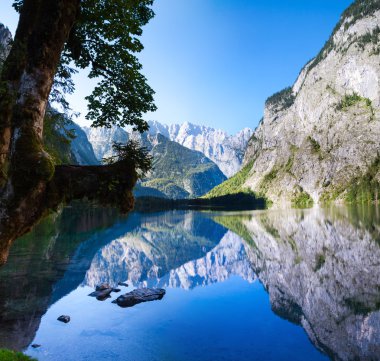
x=30, y=185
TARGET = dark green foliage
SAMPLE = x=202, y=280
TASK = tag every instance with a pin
x=360, y=308
x=359, y=9
x=283, y=99
x=57, y=138
x=365, y=189
x=180, y=172
x=167, y=187
x=105, y=39
x=131, y=152
x=269, y=177
x=233, y=185
x=302, y=200
x=315, y=146
x=237, y=201
x=289, y=164
x=8, y=355
x=351, y=99
x=369, y=38
x=319, y=261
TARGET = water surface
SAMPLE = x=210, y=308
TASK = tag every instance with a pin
x=262, y=285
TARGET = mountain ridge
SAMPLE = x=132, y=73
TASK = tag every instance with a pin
x=225, y=150
x=319, y=140
x=178, y=172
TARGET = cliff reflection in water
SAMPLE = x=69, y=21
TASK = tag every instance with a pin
x=321, y=269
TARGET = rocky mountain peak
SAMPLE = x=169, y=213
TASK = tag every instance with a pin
x=225, y=150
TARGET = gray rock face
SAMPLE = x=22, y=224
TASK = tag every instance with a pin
x=5, y=42
x=321, y=270
x=101, y=139
x=324, y=131
x=81, y=148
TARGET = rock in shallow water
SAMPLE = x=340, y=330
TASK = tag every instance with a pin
x=64, y=318
x=102, y=287
x=140, y=295
x=101, y=295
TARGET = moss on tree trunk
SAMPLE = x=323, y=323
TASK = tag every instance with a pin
x=30, y=184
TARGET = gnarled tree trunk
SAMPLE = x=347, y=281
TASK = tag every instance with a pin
x=30, y=185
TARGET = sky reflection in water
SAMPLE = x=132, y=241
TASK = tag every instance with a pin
x=320, y=268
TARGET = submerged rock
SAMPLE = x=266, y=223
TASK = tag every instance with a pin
x=64, y=318
x=140, y=295
x=102, y=287
x=101, y=295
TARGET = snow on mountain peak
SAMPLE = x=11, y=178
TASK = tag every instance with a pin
x=225, y=150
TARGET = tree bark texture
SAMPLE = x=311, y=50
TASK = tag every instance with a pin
x=30, y=184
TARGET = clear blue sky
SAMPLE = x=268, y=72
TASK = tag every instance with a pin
x=214, y=62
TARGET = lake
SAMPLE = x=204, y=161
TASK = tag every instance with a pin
x=258, y=285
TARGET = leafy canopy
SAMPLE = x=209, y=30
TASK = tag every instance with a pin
x=105, y=39
x=132, y=152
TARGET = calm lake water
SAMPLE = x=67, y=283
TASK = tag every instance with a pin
x=262, y=285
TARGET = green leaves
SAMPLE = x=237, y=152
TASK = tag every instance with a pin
x=131, y=152
x=106, y=39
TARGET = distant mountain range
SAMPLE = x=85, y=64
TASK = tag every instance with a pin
x=226, y=151
x=188, y=159
x=81, y=148
x=178, y=172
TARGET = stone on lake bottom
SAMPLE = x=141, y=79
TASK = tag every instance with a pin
x=103, y=286
x=139, y=295
x=101, y=295
x=64, y=318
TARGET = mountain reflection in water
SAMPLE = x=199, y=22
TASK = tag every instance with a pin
x=321, y=270
x=319, y=267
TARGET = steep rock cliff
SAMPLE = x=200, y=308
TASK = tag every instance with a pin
x=320, y=139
